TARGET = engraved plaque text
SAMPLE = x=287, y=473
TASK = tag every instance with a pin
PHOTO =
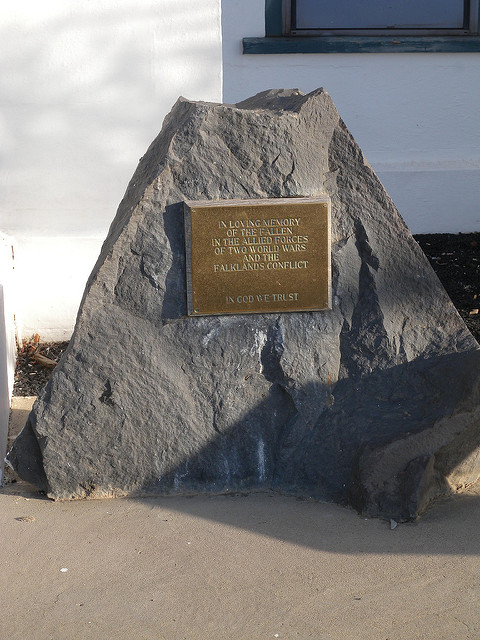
x=258, y=256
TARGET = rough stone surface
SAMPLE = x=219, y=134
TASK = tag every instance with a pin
x=374, y=403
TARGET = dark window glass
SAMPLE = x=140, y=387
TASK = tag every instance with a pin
x=379, y=14
x=314, y=17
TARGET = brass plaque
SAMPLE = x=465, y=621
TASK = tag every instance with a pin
x=258, y=256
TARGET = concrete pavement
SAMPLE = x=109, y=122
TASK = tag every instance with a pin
x=240, y=567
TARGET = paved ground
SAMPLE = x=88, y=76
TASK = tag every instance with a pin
x=255, y=567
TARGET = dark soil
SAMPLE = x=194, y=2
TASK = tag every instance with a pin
x=454, y=257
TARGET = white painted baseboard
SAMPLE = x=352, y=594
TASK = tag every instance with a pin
x=50, y=278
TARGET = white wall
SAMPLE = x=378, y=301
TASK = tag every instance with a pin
x=415, y=116
x=50, y=276
x=84, y=88
x=7, y=340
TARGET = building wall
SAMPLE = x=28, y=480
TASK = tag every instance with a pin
x=84, y=88
x=414, y=115
x=7, y=340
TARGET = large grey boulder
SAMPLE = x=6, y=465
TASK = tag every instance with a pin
x=374, y=403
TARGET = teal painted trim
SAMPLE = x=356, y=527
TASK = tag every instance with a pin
x=363, y=44
x=273, y=17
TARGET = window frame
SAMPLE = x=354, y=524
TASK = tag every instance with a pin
x=276, y=42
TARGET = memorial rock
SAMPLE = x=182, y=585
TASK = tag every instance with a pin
x=373, y=402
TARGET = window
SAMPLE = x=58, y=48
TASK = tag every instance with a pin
x=368, y=26
x=374, y=17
